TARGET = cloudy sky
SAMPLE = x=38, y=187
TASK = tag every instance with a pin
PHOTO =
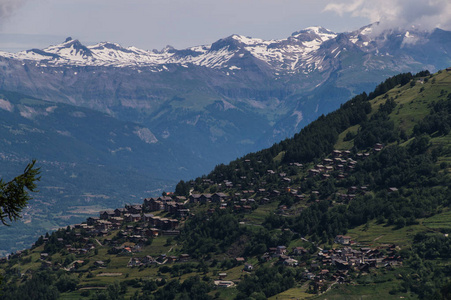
x=153, y=24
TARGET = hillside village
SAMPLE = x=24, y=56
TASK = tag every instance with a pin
x=362, y=209
x=134, y=225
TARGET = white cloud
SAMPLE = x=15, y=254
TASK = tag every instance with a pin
x=424, y=14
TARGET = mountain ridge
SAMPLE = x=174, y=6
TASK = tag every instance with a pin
x=301, y=44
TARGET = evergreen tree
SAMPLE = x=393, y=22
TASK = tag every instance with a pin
x=14, y=195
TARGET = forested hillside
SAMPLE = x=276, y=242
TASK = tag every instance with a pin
x=355, y=205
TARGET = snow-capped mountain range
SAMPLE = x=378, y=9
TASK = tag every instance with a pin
x=300, y=51
x=279, y=53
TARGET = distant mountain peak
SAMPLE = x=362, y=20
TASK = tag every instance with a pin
x=315, y=29
x=71, y=42
x=109, y=46
x=248, y=40
x=70, y=49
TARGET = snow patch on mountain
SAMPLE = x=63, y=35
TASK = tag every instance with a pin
x=227, y=105
x=27, y=112
x=6, y=105
x=51, y=109
x=64, y=133
x=145, y=135
x=299, y=117
x=120, y=149
x=78, y=114
x=410, y=38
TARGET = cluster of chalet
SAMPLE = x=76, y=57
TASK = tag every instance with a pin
x=162, y=259
x=241, y=199
x=360, y=260
x=207, y=198
x=352, y=192
x=348, y=259
x=109, y=220
x=338, y=164
x=344, y=260
x=283, y=175
x=175, y=206
x=282, y=253
x=341, y=161
x=85, y=246
x=136, y=223
x=127, y=250
x=343, y=239
x=84, y=250
x=240, y=204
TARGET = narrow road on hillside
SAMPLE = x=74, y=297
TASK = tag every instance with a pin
x=319, y=248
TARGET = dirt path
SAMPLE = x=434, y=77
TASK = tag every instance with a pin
x=109, y=274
